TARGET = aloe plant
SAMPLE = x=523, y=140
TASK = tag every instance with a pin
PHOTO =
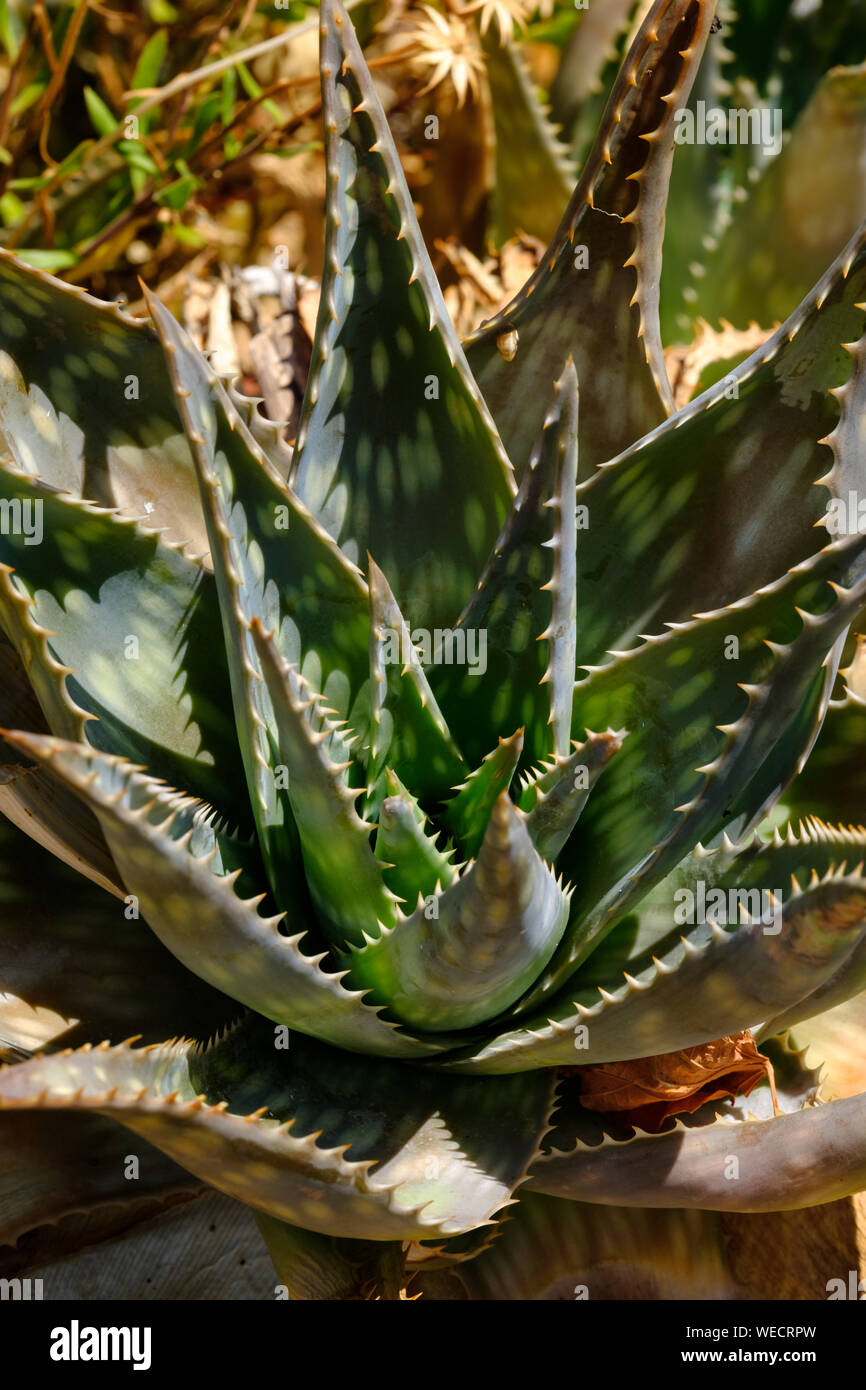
x=410, y=775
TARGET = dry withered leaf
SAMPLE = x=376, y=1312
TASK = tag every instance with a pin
x=644, y=1092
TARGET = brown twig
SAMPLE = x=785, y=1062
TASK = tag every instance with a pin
x=45, y=29
x=14, y=71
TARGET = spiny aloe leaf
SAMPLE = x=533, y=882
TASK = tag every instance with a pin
x=85, y=402
x=171, y=858
x=798, y=1160
x=464, y=956
x=407, y=850
x=553, y=798
x=345, y=878
x=270, y=435
x=698, y=726
x=714, y=982
x=699, y=195
x=745, y=454
x=275, y=564
x=33, y=801
x=787, y=758
x=53, y=1165
x=113, y=625
x=534, y=176
x=522, y=616
x=77, y=964
x=653, y=928
x=810, y=199
x=579, y=83
x=407, y=727
x=396, y=452
x=595, y=294
x=468, y=813
x=289, y=572
x=311, y=1135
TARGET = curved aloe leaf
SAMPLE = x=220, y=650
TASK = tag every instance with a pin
x=699, y=722
x=33, y=801
x=85, y=402
x=522, y=616
x=412, y=861
x=713, y=982
x=534, y=176
x=396, y=452
x=595, y=294
x=765, y=865
x=407, y=728
x=721, y=499
x=467, y=814
x=170, y=855
x=310, y=1135
x=804, y=1159
x=345, y=878
x=472, y=949
x=276, y=565
x=554, y=797
x=120, y=635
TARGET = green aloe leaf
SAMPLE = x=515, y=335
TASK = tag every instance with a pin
x=803, y=1159
x=407, y=728
x=746, y=454
x=704, y=705
x=311, y=1135
x=519, y=626
x=78, y=966
x=274, y=564
x=32, y=800
x=86, y=403
x=534, y=176
x=804, y=855
x=407, y=847
x=595, y=294
x=346, y=879
x=396, y=452
x=711, y=982
x=553, y=797
x=470, y=950
x=120, y=635
x=172, y=857
x=467, y=814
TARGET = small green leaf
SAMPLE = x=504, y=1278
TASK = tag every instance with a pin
x=47, y=260
x=149, y=63
x=102, y=118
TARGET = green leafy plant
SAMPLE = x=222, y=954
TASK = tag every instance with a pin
x=478, y=688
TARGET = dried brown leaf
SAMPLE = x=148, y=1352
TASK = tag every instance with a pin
x=646, y=1091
